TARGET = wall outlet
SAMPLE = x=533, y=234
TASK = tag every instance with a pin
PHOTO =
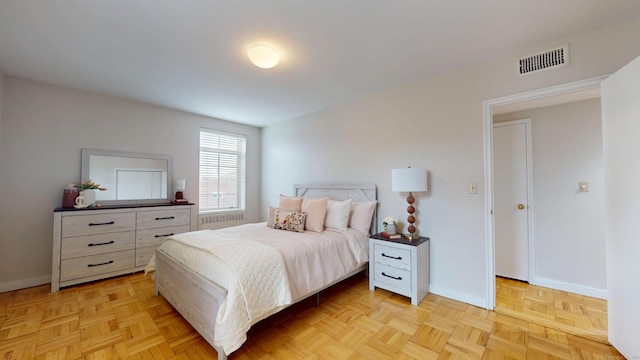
x=473, y=188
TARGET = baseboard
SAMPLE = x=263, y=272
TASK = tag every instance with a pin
x=24, y=283
x=574, y=288
x=458, y=296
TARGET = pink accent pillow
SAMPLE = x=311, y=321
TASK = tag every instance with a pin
x=361, y=216
x=316, y=210
x=290, y=203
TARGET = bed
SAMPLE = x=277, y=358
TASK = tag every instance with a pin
x=259, y=270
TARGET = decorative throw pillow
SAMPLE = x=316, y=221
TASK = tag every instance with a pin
x=316, y=210
x=338, y=214
x=271, y=217
x=361, y=215
x=290, y=203
x=289, y=220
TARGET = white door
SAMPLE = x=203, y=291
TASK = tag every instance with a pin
x=621, y=150
x=511, y=205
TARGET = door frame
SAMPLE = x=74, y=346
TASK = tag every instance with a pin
x=487, y=115
x=529, y=167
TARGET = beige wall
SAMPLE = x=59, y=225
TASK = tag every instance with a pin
x=44, y=128
x=435, y=123
x=568, y=225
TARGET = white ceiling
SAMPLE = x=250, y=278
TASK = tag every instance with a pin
x=191, y=54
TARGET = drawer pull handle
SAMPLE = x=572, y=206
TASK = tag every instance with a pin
x=104, y=243
x=166, y=218
x=393, y=277
x=164, y=235
x=392, y=257
x=104, y=263
x=104, y=223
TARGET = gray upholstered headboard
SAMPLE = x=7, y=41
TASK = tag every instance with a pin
x=357, y=192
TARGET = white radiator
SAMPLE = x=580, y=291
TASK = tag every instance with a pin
x=220, y=220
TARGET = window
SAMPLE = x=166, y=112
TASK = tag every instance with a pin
x=222, y=171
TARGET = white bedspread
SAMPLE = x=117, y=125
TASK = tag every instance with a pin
x=272, y=268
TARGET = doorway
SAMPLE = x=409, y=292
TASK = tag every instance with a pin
x=489, y=105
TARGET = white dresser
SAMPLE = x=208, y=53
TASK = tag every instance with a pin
x=97, y=243
x=400, y=266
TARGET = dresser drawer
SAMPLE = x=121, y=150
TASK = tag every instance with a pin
x=393, y=256
x=98, y=224
x=96, y=264
x=163, y=218
x=155, y=237
x=398, y=278
x=143, y=255
x=78, y=246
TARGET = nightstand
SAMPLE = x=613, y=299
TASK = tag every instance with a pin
x=400, y=266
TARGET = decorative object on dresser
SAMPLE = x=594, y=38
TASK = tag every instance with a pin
x=400, y=266
x=409, y=180
x=69, y=196
x=96, y=243
x=80, y=194
x=180, y=186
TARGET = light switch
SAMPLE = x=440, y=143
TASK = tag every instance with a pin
x=583, y=186
x=473, y=188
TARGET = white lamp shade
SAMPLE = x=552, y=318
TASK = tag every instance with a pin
x=409, y=180
x=180, y=184
x=264, y=56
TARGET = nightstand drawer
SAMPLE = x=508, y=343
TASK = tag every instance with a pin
x=393, y=256
x=393, y=276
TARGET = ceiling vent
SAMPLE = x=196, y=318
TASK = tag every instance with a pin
x=546, y=60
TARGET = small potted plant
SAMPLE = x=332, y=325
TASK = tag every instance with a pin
x=389, y=224
x=86, y=192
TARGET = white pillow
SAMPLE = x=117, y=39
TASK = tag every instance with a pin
x=271, y=217
x=316, y=210
x=338, y=214
x=361, y=215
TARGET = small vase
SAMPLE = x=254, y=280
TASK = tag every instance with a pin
x=89, y=197
x=390, y=229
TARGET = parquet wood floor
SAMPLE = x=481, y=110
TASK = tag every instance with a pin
x=120, y=318
x=560, y=310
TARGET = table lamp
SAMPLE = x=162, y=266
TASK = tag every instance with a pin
x=409, y=180
x=180, y=186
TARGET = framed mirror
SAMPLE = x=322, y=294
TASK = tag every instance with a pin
x=130, y=178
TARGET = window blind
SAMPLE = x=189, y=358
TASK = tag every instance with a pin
x=222, y=171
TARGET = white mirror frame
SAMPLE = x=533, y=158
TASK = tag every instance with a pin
x=86, y=170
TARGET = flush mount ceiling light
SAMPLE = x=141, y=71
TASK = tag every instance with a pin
x=264, y=56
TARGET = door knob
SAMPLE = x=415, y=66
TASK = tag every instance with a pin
x=521, y=206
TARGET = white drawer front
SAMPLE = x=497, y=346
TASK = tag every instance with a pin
x=97, y=244
x=393, y=276
x=163, y=218
x=143, y=255
x=97, y=224
x=96, y=264
x=156, y=236
x=392, y=256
